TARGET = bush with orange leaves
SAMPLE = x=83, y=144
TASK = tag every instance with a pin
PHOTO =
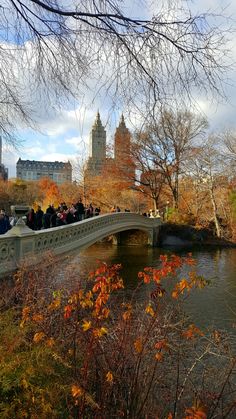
x=92, y=352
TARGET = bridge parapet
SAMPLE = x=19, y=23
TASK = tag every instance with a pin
x=21, y=243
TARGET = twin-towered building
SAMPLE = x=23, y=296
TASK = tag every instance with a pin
x=61, y=172
x=98, y=161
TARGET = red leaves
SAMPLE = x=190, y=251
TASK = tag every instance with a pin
x=192, y=332
x=169, y=267
x=107, y=280
x=196, y=412
x=67, y=311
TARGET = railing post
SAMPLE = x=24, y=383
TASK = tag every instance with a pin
x=24, y=238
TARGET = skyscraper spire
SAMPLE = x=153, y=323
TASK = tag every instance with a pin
x=97, y=122
x=97, y=147
x=122, y=119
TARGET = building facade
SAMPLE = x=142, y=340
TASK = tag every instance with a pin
x=121, y=165
x=97, y=148
x=57, y=171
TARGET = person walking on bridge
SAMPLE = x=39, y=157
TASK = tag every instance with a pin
x=4, y=222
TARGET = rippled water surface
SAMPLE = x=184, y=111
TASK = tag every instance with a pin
x=214, y=306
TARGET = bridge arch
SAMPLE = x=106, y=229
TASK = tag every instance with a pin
x=21, y=242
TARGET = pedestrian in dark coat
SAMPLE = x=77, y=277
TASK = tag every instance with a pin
x=46, y=220
x=80, y=210
x=4, y=223
x=70, y=218
x=38, y=218
x=30, y=219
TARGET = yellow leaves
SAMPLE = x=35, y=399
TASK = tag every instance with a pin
x=109, y=377
x=38, y=337
x=24, y=383
x=76, y=391
x=159, y=356
x=55, y=304
x=186, y=285
x=86, y=300
x=175, y=294
x=25, y=315
x=138, y=345
x=192, y=332
x=180, y=287
x=86, y=325
x=126, y=315
x=105, y=313
x=149, y=310
x=37, y=318
x=98, y=333
x=50, y=342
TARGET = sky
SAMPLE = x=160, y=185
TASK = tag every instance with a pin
x=63, y=135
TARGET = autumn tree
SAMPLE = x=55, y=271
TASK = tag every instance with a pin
x=63, y=48
x=149, y=181
x=164, y=144
x=208, y=172
x=71, y=192
x=227, y=149
x=51, y=192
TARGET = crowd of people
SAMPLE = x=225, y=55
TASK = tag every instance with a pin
x=55, y=217
x=52, y=217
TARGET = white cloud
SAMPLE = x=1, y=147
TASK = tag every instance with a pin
x=57, y=157
x=73, y=123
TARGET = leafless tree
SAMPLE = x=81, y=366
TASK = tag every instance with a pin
x=148, y=179
x=207, y=170
x=166, y=144
x=228, y=151
x=60, y=47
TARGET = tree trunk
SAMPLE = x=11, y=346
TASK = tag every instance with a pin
x=216, y=221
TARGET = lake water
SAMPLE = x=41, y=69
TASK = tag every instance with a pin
x=214, y=306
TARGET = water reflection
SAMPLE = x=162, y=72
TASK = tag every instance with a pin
x=214, y=306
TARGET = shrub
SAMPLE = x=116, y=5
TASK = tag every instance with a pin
x=91, y=351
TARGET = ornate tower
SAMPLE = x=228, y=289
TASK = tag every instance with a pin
x=97, y=148
x=122, y=141
x=122, y=153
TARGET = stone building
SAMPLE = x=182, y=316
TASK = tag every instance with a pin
x=59, y=172
x=122, y=152
x=97, y=148
x=121, y=165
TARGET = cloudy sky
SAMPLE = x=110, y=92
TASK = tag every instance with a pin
x=63, y=135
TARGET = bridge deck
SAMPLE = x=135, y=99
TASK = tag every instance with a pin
x=21, y=242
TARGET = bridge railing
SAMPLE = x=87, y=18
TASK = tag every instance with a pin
x=21, y=243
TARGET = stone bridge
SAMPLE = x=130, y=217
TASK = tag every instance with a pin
x=20, y=243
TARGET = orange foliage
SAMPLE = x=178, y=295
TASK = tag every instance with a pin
x=196, y=412
x=115, y=338
x=51, y=192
